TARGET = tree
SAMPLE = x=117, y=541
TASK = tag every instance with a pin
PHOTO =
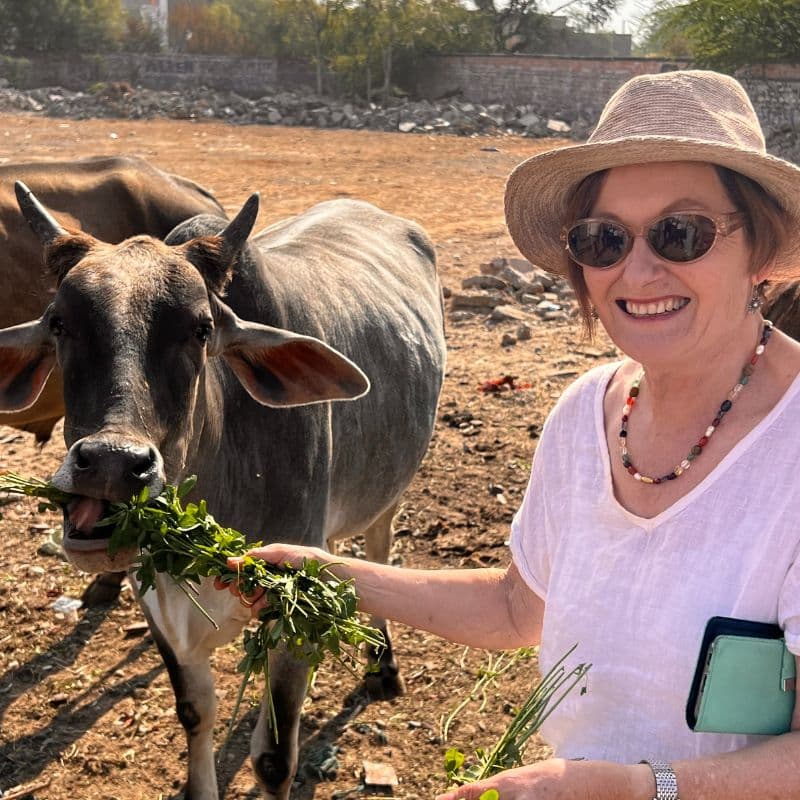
x=310, y=20
x=727, y=34
x=515, y=23
x=61, y=26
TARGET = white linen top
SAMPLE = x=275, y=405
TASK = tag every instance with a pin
x=634, y=593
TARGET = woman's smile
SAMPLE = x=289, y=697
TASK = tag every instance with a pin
x=653, y=308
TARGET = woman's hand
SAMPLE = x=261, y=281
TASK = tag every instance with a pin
x=559, y=779
x=278, y=554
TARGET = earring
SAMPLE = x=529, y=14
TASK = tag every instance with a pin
x=756, y=298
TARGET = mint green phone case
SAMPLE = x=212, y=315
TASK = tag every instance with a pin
x=749, y=687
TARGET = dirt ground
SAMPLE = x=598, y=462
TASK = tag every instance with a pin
x=86, y=709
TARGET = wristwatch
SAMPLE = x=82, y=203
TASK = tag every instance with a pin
x=666, y=782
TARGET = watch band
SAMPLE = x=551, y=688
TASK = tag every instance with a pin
x=666, y=782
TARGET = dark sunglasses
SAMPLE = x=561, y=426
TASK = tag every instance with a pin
x=679, y=237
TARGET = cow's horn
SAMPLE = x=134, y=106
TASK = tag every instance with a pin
x=239, y=228
x=40, y=220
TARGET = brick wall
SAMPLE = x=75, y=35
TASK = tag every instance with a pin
x=556, y=86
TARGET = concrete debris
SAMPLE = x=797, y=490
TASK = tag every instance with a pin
x=275, y=107
x=513, y=290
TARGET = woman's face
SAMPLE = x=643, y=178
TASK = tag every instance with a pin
x=708, y=298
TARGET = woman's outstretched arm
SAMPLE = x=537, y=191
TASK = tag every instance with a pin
x=488, y=608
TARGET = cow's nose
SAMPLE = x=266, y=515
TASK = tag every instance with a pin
x=115, y=470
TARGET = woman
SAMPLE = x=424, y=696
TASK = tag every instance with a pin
x=663, y=487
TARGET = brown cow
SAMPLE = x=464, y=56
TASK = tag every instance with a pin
x=111, y=198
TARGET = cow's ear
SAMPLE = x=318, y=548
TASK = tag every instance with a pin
x=280, y=368
x=27, y=358
x=206, y=255
x=64, y=252
x=215, y=257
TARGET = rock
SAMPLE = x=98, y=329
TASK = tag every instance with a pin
x=35, y=571
x=508, y=340
x=59, y=699
x=379, y=774
x=447, y=292
x=483, y=282
x=524, y=332
x=274, y=116
x=558, y=126
x=493, y=267
x=50, y=548
x=460, y=316
x=476, y=301
x=521, y=265
x=406, y=127
x=507, y=313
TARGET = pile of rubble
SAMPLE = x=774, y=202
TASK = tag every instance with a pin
x=512, y=290
x=121, y=100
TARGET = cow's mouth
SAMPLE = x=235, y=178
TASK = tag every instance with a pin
x=80, y=518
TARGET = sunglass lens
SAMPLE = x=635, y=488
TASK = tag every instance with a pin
x=682, y=237
x=597, y=243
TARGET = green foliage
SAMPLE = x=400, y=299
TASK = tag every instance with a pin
x=308, y=610
x=141, y=35
x=61, y=26
x=727, y=34
x=510, y=748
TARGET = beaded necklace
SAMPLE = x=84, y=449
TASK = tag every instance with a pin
x=697, y=449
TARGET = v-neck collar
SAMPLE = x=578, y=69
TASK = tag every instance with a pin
x=650, y=523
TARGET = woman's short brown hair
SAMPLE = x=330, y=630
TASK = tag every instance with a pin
x=766, y=226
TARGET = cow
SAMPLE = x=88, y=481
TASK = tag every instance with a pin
x=111, y=198
x=212, y=355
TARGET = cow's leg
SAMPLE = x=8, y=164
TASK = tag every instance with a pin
x=196, y=706
x=384, y=680
x=104, y=589
x=275, y=762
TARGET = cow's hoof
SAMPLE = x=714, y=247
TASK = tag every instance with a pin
x=103, y=590
x=385, y=684
x=272, y=772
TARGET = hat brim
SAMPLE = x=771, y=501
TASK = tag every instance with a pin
x=538, y=190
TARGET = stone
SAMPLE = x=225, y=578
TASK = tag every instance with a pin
x=274, y=116
x=508, y=340
x=476, y=301
x=521, y=265
x=558, y=126
x=493, y=267
x=460, y=316
x=524, y=333
x=407, y=127
x=379, y=774
x=507, y=314
x=483, y=282
x=50, y=548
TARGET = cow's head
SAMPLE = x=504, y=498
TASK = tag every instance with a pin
x=133, y=327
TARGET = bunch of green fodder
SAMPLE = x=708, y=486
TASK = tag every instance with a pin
x=510, y=748
x=308, y=610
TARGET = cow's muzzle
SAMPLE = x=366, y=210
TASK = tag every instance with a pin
x=101, y=470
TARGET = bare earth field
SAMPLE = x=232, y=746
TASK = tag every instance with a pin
x=86, y=709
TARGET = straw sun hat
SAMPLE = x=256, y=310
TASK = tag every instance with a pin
x=693, y=115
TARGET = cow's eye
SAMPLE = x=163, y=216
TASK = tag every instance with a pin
x=56, y=326
x=204, y=331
